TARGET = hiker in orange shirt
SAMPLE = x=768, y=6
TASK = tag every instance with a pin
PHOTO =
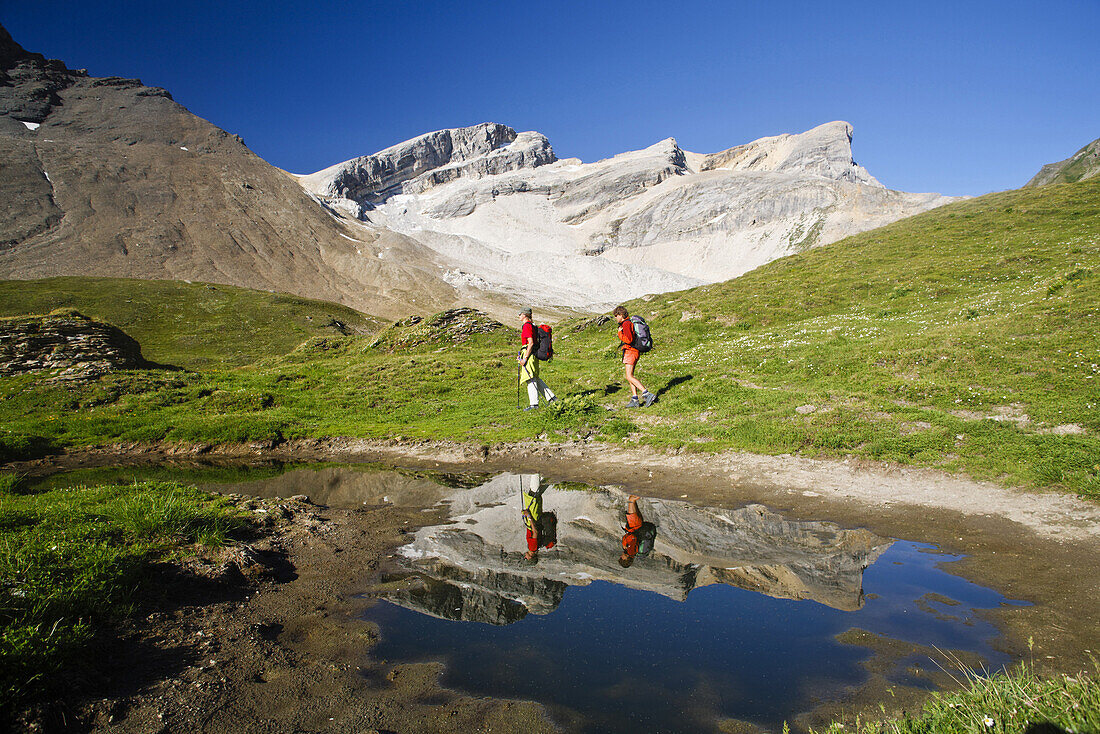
x=630, y=358
x=634, y=523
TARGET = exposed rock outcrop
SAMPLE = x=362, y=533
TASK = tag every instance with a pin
x=453, y=326
x=424, y=162
x=1082, y=165
x=65, y=342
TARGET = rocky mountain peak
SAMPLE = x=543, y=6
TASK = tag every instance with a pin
x=29, y=82
x=10, y=51
x=429, y=160
x=825, y=150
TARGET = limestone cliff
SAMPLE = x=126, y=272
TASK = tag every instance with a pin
x=427, y=161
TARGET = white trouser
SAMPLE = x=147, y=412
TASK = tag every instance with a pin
x=533, y=387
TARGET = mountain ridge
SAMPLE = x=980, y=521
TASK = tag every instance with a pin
x=108, y=177
x=644, y=221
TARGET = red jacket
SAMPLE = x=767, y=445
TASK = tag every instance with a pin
x=626, y=334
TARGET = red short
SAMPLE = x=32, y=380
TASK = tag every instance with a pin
x=630, y=356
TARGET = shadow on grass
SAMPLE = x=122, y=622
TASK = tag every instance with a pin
x=609, y=389
x=674, y=382
x=1045, y=728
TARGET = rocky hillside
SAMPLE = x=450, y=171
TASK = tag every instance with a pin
x=518, y=220
x=1083, y=164
x=106, y=176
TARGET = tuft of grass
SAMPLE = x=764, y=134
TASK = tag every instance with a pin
x=9, y=482
x=72, y=560
x=1010, y=702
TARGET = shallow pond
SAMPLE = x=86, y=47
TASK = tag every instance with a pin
x=701, y=616
x=732, y=614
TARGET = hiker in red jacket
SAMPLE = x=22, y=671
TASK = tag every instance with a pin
x=530, y=384
x=630, y=358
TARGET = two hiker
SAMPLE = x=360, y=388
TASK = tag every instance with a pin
x=632, y=344
x=629, y=346
x=530, y=384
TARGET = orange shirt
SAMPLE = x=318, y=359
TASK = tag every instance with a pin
x=630, y=544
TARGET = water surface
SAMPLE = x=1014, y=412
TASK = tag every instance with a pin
x=733, y=614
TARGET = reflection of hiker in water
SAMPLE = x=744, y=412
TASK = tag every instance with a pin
x=639, y=536
x=542, y=527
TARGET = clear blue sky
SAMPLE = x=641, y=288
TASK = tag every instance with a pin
x=958, y=97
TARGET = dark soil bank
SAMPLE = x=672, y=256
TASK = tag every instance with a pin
x=272, y=647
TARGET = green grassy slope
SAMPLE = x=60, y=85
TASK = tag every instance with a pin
x=968, y=336
x=964, y=338
x=190, y=325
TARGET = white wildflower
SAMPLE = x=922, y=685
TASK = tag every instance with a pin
x=988, y=721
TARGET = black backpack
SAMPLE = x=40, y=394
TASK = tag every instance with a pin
x=544, y=342
x=643, y=341
x=645, y=534
x=548, y=529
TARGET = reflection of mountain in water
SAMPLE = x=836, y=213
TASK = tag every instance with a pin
x=473, y=568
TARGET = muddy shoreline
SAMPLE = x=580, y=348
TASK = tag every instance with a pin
x=1036, y=547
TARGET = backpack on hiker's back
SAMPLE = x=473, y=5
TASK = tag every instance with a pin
x=548, y=529
x=646, y=534
x=643, y=340
x=544, y=342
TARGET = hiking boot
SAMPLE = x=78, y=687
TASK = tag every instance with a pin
x=530, y=407
x=634, y=403
x=649, y=398
x=553, y=399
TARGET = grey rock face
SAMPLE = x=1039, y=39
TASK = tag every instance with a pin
x=427, y=161
x=825, y=151
x=107, y=177
x=72, y=345
x=29, y=82
x=1083, y=164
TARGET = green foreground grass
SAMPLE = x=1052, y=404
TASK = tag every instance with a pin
x=74, y=559
x=964, y=338
x=1011, y=702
